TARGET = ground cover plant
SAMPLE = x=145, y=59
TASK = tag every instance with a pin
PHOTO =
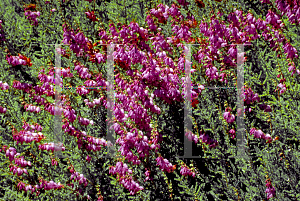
x=155, y=45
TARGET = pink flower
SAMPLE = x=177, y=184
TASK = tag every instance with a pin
x=270, y=192
x=88, y=158
x=232, y=132
x=268, y=137
x=258, y=134
x=290, y=51
x=283, y=88
x=268, y=108
x=212, y=73
x=229, y=117
x=54, y=162
x=2, y=110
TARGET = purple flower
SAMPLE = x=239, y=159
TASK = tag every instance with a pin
x=258, y=134
x=290, y=51
x=283, y=88
x=229, y=117
x=270, y=192
x=268, y=108
x=232, y=132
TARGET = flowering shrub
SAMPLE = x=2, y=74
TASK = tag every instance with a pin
x=150, y=87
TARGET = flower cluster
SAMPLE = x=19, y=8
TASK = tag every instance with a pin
x=94, y=143
x=21, y=186
x=100, y=57
x=22, y=86
x=270, y=191
x=49, y=185
x=212, y=73
x=164, y=164
x=52, y=147
x=32, y=108
x=79, y=177
x=17, y=170
x=70, y=114
x=165, y=78
x=185, y=171
x=232, y=132
x=78, y=43
x=282, y=88
x=293, y=68
x=66, y=72
x=32, y=16
x=21, y=162
x=83, y=72
x=4, y=86
x=43, y=184
x=82, y=90
x=182, y=32
x=260, y=135
x=290, y=51
x=125, y=179
x=289, y=8
x=85, y=121
x=250, y=97
x=266, y=108
x=27, y=136
x=273, y=19
x=228, y=116
x=207, y=140
x=147, y=173
x=191, y=136
x=95, y=102
x=36, y=127
x=150, y=23
x=18, y=60
x=10, y=152
x=91, y=16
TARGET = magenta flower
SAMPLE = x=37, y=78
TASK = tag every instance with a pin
x=258, y=134
x=232, y=132
x=268, y=108
x=4, y=86
x=290, y=51
x=268, y=138
x=185, y=171
x=54, y=162
x=270, y=192
x=3, y=110
x=283, y=88
x=191, y=136
x=229, y=117
x=212, y=73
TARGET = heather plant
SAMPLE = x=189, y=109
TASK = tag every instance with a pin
x=150, y=88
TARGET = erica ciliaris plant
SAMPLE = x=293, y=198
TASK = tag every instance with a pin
x=149, y=92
